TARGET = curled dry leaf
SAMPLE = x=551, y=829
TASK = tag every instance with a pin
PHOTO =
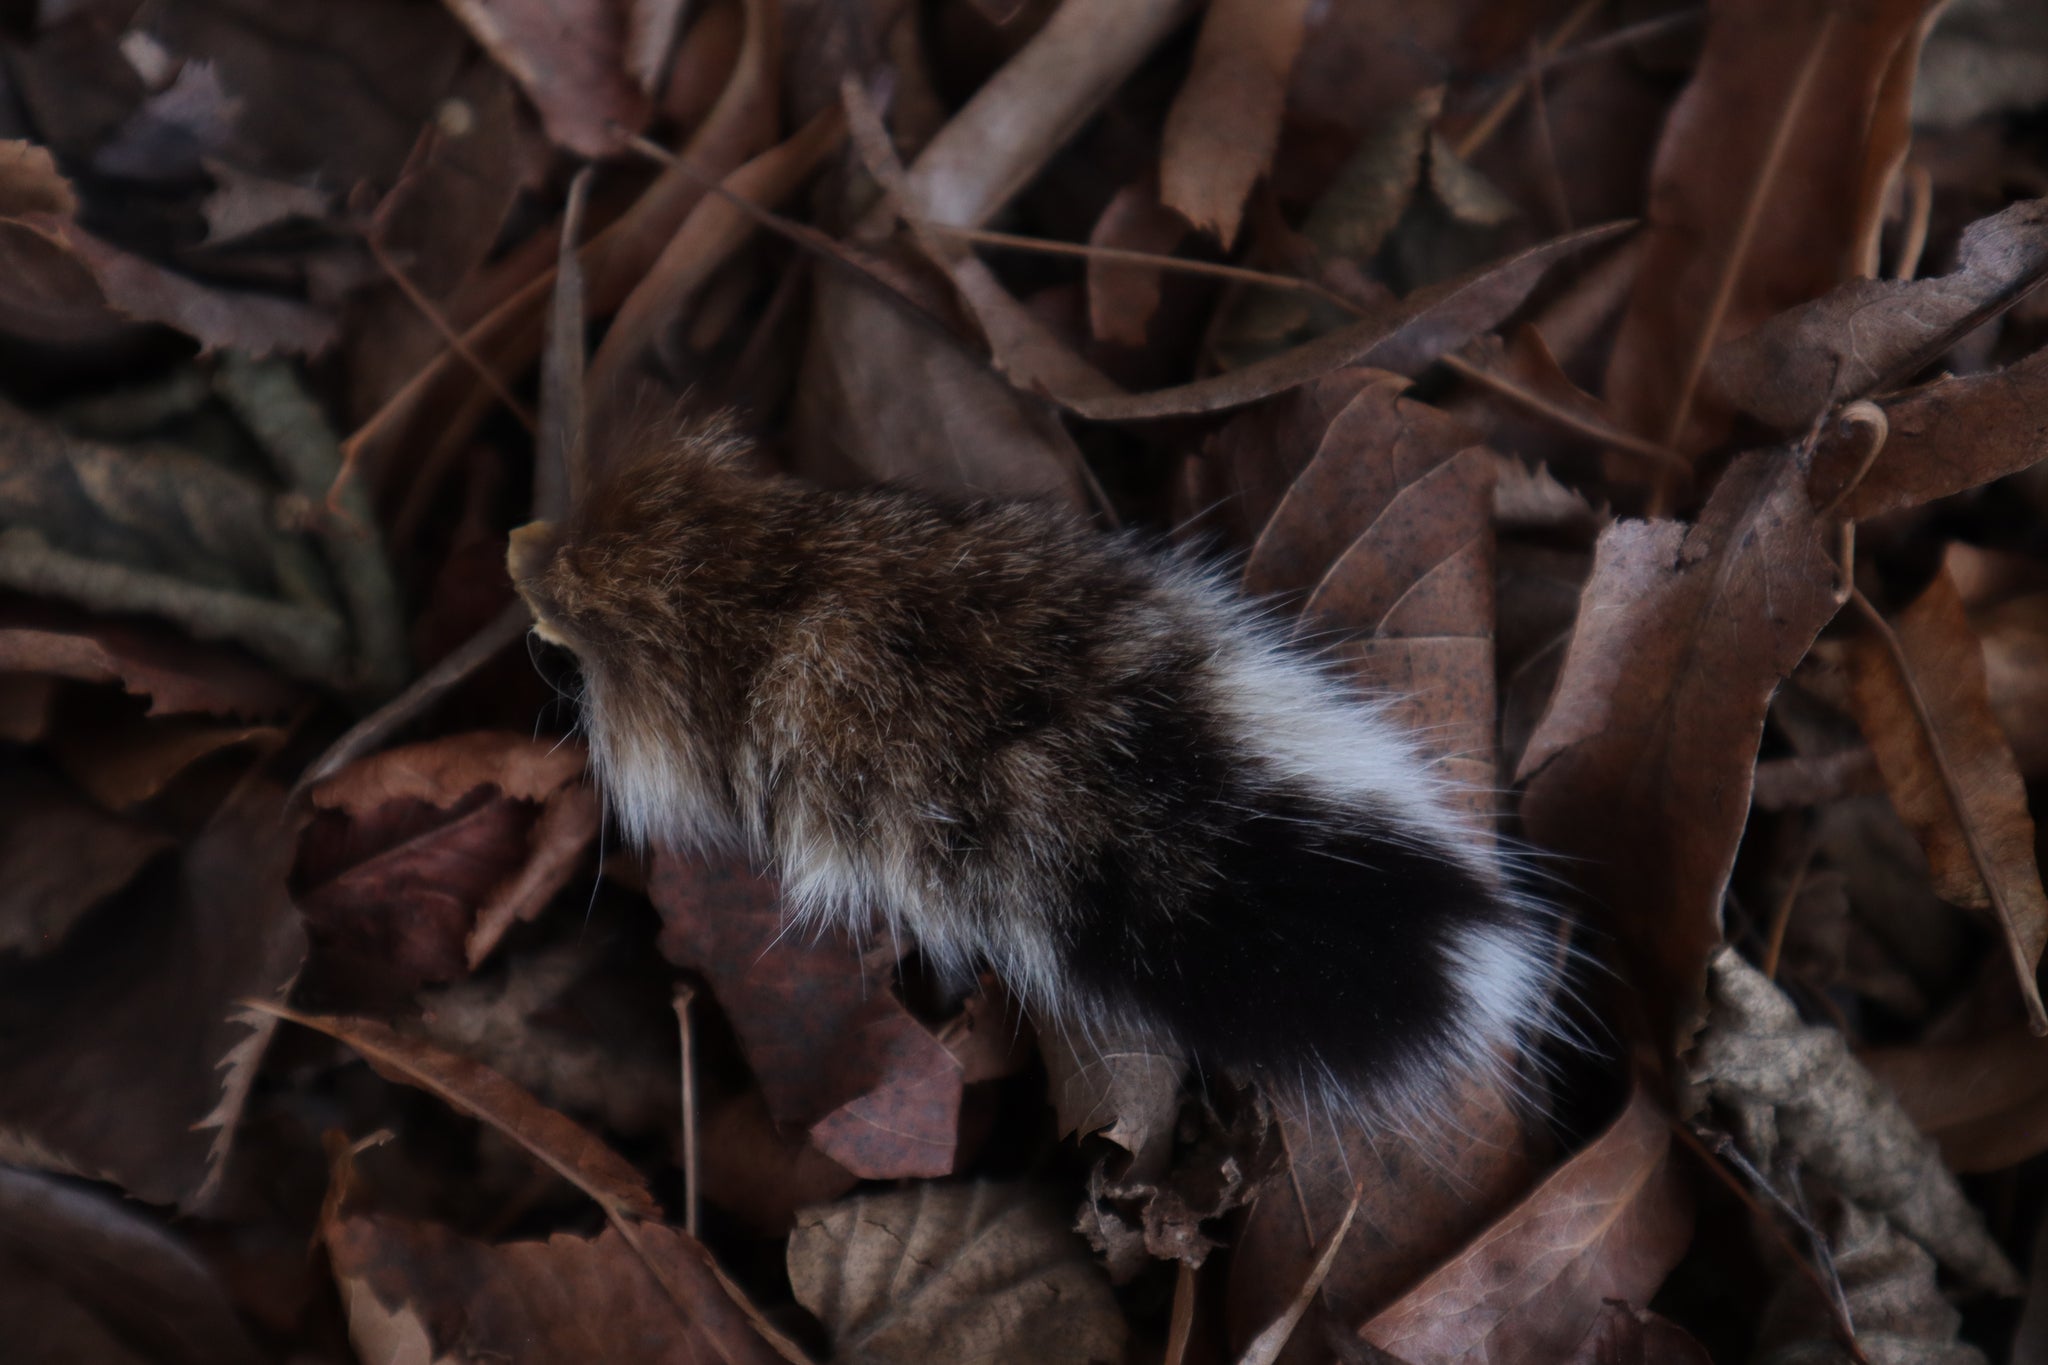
x=92, y=1020
x=1940, y=439
x=415, y=1292
x=1225, y=122
x=833, y=1048
x=422, y=857
x=1888, y=1289
x=1981, y=855
x=1769, y=177
x=84, y=1276
x=1869, y=335
x=570, y=59
x=1608, y=1224
x=954, y=1272
x=1641, y=767
x=1797, y=1093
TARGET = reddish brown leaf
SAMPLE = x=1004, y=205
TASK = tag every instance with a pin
x=757, y=1171
x=123, y=760
x=1773, y=163
x=94, y=1019
x=421, y=1291
x=571, y=61
x=422, y=857
x=474, y=1089
x=1641, y=767
x=832, y=1047
x=1608, y=1224
x=1224, y=123
x=1966, y=758
x=1870, y=335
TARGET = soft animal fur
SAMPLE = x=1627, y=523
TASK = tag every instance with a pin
x=1079, y=759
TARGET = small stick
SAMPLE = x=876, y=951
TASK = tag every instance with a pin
x=1267, y=1345
x=685, y=993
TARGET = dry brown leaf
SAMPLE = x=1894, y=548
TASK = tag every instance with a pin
x=1641, y=767
x=1621, y=1335
x=1225, y=122
x=59, y=858
x=1377, y=181
x=1772, y=166
x=171, y=964
x=1985, y=1101
x=84, y=1277
x=833, y=1048
x=1122, y=297
x=1965, y=758
x=706, y=239
x=527, y=1024
x=1026, y=111
x=571, y=61
x=1798, y=1093
x=1941, y=439
x=954, y=1272
x=1869, y=335
x=474, y=1089
x=1608, y=1224
x=2013, y=635
x=122, y=760
x=1423, y=1196
x=756, y=1170
x=1405, y=338
x=1373, y=447
x=422, y=857
x=416, y=1292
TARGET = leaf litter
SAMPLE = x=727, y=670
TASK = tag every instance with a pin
x=1701, y=545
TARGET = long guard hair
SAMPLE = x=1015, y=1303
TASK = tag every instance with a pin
x=1080, y=759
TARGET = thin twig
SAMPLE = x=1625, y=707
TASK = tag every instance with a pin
x=685, y=993
x=1781, y=916
x=1490, y=121
x=1919, y=209
x=1711, y=1157
x=450, y=337
x=1562, y=416
x=1182, y=1325
x=1738, y=249
x=1268, y=1344
x=1952, y=787
x=1125, y=256
x=559, y=472
x=367, y=733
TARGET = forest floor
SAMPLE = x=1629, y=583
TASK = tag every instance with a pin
x=1647, y=397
